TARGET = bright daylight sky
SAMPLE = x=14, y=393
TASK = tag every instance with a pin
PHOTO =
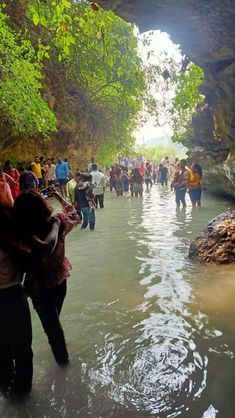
x=160, y=42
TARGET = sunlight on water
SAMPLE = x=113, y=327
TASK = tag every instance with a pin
x=149, y=333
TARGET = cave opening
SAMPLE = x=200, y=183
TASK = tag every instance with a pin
x=165, y=66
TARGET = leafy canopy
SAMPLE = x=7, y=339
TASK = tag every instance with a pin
x=186, y=100
x=21, y=102
x=99, y=53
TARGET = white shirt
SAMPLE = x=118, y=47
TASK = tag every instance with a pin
x=98, y=179
x=50, y=172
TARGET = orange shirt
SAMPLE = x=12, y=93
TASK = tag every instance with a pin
x=195, y=180
x=37, y=169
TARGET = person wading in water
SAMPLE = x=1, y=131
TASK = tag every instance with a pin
x=47, y=271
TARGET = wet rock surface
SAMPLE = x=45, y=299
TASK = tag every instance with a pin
x=216, y=243
x=206, y=32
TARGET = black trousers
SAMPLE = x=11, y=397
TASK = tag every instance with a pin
x=48, y=308
x=99, y=198
x=16, y=356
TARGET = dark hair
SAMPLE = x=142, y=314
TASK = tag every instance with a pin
x=32, y=214
x=94, y=167
x=183, y=161
x=86, y=176
x=137, y=176
x=7, y=165
x=198, y=168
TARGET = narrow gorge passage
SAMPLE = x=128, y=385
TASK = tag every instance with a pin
x=147, y=332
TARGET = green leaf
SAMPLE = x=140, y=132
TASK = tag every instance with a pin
x=36, y=19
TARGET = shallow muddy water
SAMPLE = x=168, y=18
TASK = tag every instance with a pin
x=150, y=334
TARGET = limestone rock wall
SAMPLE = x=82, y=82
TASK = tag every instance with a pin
x=78, y=137
x=205, y=29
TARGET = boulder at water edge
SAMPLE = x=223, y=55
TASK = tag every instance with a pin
x=216, y=243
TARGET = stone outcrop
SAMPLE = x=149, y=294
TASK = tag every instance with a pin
x=216, y=243
x=205, y=30
x=77, y=137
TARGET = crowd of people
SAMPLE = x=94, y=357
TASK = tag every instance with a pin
x=131, y=175
x=32, y=243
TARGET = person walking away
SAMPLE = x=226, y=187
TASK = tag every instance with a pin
x=195, y=184
x=98, y=179
x=16, y=355
x=125, y=179
x=37, y=170
x=142, y=168
x=137, y=183
x=62, y=175
x=180, y=184
x=155, y=173
x=89, y=167
x=148, y=175
x=47, y=272
x=119, y=182
x=112, y=178
x=49, y=173
x=28, y=180
x=84, y=201
x=9, y=169
x=163, y=174
x=131, y=183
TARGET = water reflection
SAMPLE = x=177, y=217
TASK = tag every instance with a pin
x=147, y=335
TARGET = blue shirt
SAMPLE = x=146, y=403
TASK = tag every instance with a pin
x=62, y=171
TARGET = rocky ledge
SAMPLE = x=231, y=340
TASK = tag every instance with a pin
x=216, y=243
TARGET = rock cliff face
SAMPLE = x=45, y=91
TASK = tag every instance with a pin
x=216, y=243
x=205, y=29
x=77, y=137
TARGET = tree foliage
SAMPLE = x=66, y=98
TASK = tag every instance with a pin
x=158, y=152
x=186, y=99
x=172, y=87
x=21, y=102
x=98, y=52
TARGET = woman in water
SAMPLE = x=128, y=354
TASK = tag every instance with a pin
x=47, y=271
x=16, y=365
x=137, y=182
x=195, y=184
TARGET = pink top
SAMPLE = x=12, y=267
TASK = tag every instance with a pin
x=55, y=268
x=5, y=182
x=15, y=187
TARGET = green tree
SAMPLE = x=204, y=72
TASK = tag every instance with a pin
x=99, y=53
x=186, y=100
x=21, y=103
x=157, y=153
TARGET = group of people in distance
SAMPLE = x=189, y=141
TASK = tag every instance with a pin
x=124, y=178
